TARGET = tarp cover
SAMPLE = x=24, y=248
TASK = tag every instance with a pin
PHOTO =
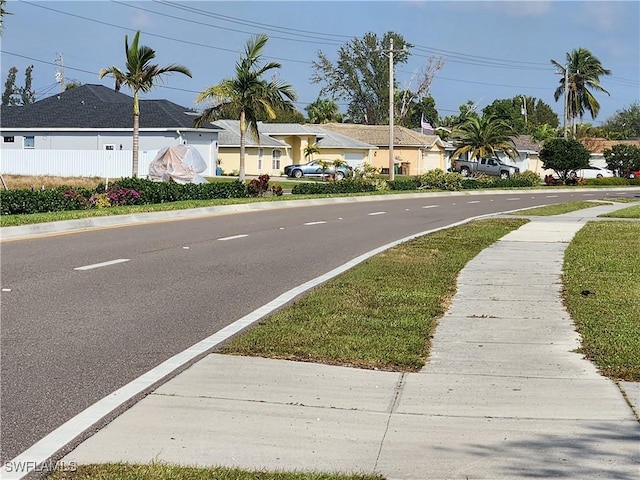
x=180, y=163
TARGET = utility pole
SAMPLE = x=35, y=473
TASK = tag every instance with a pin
x=566, y=98
x=390, y=53
x=392, y=163
x=523, y=110
x=60, y=71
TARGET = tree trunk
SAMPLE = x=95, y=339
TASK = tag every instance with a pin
x=243, y=132
x=136, y=144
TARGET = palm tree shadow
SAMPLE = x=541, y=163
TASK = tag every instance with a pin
x=602, y=450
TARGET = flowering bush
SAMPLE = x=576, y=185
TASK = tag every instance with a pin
x=99, y=200
x=122, y=196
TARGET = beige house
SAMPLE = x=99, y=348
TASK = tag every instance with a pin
x=414, y=153
x=282, y=144
x=266, y=156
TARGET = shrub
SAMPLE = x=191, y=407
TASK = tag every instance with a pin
x=528, y=176
x=258, y=186
x=344, y=186
x=276, y=190
x=18, y=202
x=440, y=180
x=613, y=181
x=127, y=191
x=404, y=184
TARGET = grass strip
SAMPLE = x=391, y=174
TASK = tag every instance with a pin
x=161, y=471
x=380, y=314
x=558, y=209
x=630, y=212
x=602, y=294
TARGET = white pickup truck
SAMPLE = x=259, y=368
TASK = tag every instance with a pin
x=487, y=166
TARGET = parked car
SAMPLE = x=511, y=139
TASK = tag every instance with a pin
x=315, y=169
x=634, y=174
x=592, y=172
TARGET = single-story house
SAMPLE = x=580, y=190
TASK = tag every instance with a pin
x=597, y=146
x=283, y=144
x=93, y=118
x=414, y=153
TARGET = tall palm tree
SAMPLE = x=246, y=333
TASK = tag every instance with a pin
x=582, y=72
x=139, y=76
x=484, y=137
x=253, y=96
x=3, y=12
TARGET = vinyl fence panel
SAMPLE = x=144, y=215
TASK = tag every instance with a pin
x=74, y=163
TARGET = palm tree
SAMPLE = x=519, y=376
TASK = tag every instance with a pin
x=582, y=72
x=323, y=110
x=249, y=93
x=309, y=150
x=3, y=12
x=484, y=137
x=139, y=76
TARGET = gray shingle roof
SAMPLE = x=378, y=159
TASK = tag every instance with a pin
x=337, y=140
x=96, y=107
x=379, y=134
x=229, y=136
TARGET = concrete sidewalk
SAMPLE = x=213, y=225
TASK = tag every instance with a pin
x=503, y=395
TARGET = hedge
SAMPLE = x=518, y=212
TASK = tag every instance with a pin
x=343, y=186
x=128, y=191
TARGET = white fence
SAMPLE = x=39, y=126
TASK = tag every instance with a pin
x=74, y=163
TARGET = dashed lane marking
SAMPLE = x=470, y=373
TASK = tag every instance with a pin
x=102, y=264
x=232, y=237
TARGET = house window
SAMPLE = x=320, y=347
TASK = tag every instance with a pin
x=110, y=147
x=8, y=139
x=29, y=141
x=275, y=159
x=260, y=155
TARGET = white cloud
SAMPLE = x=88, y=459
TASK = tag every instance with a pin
x=141, y=20
x=525, y=9
x=603, y=16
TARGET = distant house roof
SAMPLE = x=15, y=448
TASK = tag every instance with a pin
x=379, y=135
x=329, y=139
x=92, y=107
x=288, y=129
x=229, y=136
x=599, y=145
x=526, y=143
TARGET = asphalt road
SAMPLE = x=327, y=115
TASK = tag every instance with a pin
x=74, y=330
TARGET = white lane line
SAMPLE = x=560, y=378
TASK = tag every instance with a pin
x=232, y=237
x=42, y=450
x=552, y=196
x=587, y=194
x=315, y=223
x=430, y=206
x=515, y=198
x=474, y=201
x=6, y=289
x=103, y=264
x=376, y=213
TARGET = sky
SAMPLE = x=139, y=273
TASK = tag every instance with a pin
x=491, y=49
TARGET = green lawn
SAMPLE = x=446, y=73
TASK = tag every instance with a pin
x=381, y=313
x=558, y=209
x=161, y=471
x=631, y=212
x=604, y=259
